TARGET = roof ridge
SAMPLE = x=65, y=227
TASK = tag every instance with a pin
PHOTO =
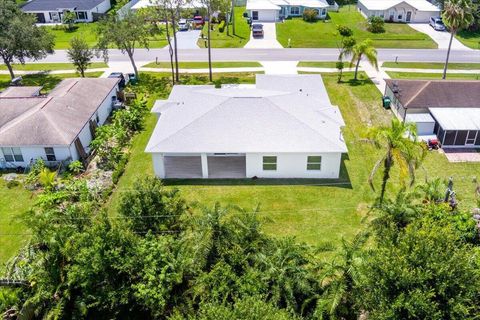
x=427, y=83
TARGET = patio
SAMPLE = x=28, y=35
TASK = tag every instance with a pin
x=461, y=155
x=216, y=167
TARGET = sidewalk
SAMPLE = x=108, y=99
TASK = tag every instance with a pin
x=23, y=72
x=431, y=70
x=377, y=76
x=280, y=67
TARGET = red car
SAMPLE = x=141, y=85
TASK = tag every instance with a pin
x=198, y=22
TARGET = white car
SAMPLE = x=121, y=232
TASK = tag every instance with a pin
x=437, y=24
x=183, y=25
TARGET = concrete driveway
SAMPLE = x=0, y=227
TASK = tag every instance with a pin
x=269, y=40
x=440, y=37
x=188, y=39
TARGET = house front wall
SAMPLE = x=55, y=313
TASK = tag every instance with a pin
x=293, y=165
x=32, y=153
x=55, y=16
x=402, y=12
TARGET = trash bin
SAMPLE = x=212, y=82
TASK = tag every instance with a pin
x=386, y=102
x=132, y=78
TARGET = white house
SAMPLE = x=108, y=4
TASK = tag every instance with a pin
x=282, y=127
x=274, y=10
x=52, y=11
x=56, y=127
x=409, y=11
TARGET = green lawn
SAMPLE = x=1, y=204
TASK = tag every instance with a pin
x=432, y=65
x=469, y=38
x=324, y=34
x=317, y=64
x=13, y=202
x=204, y=65
x=421, y=75
x=48, y=81
x=221, y=40
x=50, y=66
x=87, y=31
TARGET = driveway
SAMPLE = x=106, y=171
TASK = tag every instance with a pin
x=269, y=40
x=188, y=39
x=440, y=37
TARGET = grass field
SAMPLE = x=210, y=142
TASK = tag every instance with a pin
x=469, y=38
x=204, y=65
x=87, y=31
x=421, y=75
x=221, y=40
x=324, y=34
x=48, y=81
x=432, y=65
x=50, y=66
x=317, y=64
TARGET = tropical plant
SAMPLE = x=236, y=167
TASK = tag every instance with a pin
x=69, y=19
x=376, y=24
x=457, y=15
x=359, y=50
x=46, y=178
x=75, y=167
x=80, y=54
x=399, y=141
x=344, y=31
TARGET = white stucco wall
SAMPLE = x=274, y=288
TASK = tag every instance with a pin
x=294, y=165
x=33, y=153
x=101, y=8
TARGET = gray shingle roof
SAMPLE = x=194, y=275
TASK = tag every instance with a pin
x=281, y=114
x=53, y=5
x=55, y=119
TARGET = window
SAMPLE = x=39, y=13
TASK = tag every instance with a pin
x=81, y=15
x=400, y=17
x=12, y=154
x=270, y=163
x=295, y=10
x=50, y=153
x=314, y=163
x=324, y=12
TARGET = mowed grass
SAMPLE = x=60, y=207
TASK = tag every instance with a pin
x=50, y=66
x=222, y=40
x=431, y=65
x=204, y=65
x=469, y=38
x=322, y=34
x=13, y=203
x=433, y=76
x=88, y=32
x=48, y=81
x=317, y=64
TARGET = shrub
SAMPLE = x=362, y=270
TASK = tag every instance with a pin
x=35, y=169
x=221, y=26
x=119, y=169
x=376, y=24
x=344, y=31
x=75, y=167
x=310, y=15
x=12, y=184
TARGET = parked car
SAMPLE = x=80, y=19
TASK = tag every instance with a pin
x=183, y=25
x=437, y=24
x=198, y=22
x=257, y=30
x=119, y=75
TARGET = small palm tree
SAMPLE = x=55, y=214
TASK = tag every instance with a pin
x=47, y=178
x=364, y=48
x=457, y=15
x=401, y=146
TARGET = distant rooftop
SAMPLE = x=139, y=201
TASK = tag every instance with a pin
x=421, y=5
x=54, y=5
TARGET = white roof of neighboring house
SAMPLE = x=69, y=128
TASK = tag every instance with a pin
x=275, y=4
x=457, y=118
x=280, y=114
x=421, y=5
x=419, y=118
x=150, y=3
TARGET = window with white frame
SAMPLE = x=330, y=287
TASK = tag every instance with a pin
x=12, y=154
x=50, y=153
x=314, y=163
x=295, y=10
x=324, y=12
x=81, y=15
x=270, y=163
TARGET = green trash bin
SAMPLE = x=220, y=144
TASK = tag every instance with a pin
x=386, y=102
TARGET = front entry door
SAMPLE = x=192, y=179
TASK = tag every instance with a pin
x=472, y=135
x=254, y=15
x=409, y=16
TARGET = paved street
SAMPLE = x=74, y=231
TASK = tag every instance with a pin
x=241, y=54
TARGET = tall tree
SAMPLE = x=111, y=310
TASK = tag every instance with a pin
x=20, y=38
x=125, y=34
x=457, y=15
x=364, y=48
x=399, y=141
x=80, y=54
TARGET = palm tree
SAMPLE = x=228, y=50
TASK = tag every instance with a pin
x=47, y=178
x=457, y=15
x=402, y=147
x=364, y=48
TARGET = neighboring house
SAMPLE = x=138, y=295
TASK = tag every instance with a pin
x=449, y=109
x=52, y=11
x=275, y=10
x=409, y=11
x=56, y=127
x=282, y=127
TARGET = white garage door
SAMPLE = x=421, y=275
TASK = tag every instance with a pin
x=267, y=15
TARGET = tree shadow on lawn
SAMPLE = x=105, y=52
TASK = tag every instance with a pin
x=342, y=182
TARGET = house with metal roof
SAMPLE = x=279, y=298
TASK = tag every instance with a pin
x=409, y=11
x=56, y=127
x=448, y=109
x=52, y=11
x=284, y=126
x=275, y=10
